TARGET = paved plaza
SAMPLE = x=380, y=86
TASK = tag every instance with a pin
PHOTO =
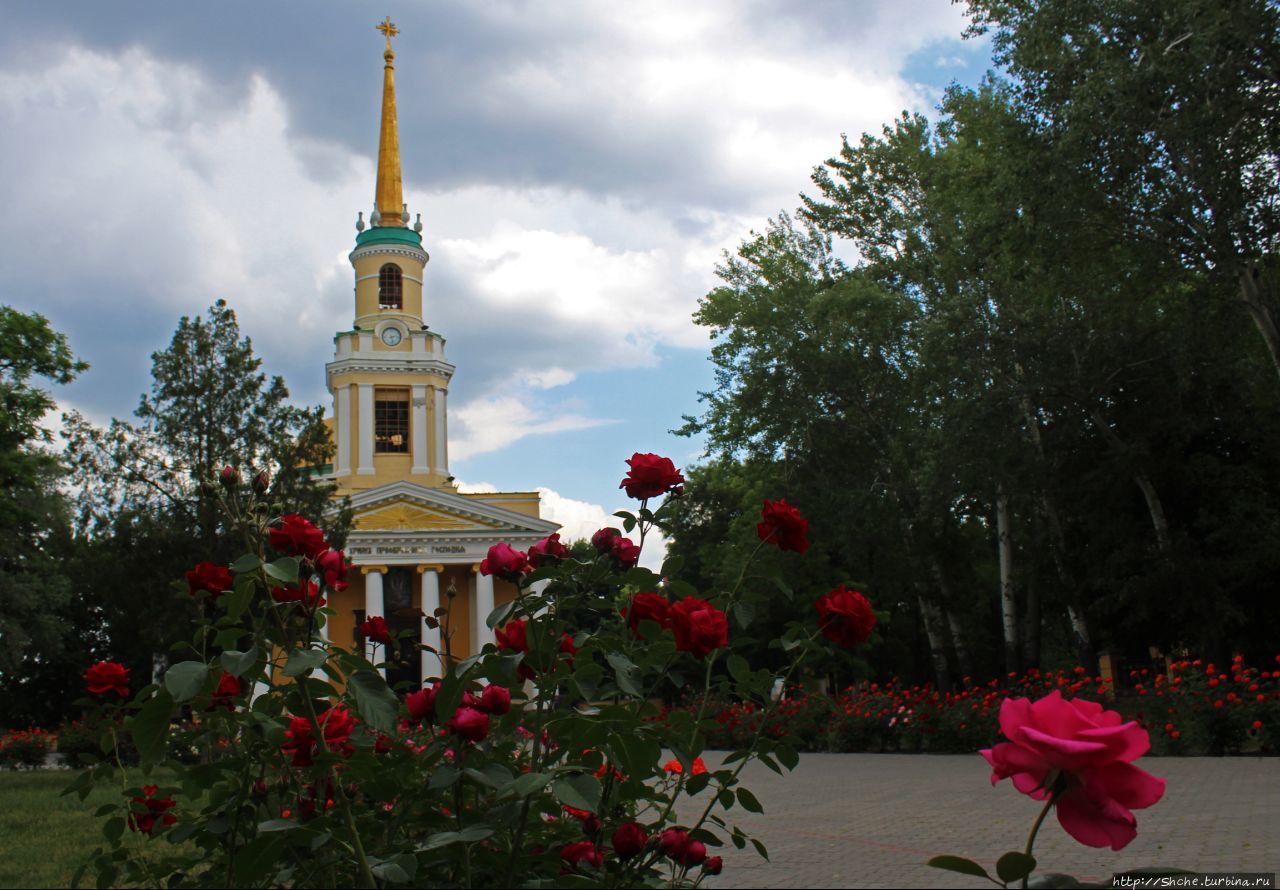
x=873, y=820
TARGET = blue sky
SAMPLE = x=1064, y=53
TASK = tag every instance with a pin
x=579, y=170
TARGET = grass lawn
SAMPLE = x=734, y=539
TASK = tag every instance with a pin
x=44, y=838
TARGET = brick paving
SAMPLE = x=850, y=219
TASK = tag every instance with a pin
x=872, y=820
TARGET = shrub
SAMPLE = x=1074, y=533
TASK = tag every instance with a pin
x=24, y=748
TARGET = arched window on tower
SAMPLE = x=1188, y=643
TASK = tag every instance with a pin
x=390, y=287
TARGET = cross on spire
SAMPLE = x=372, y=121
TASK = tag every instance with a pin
x=388, y=29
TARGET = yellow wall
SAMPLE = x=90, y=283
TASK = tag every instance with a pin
x=367, y=268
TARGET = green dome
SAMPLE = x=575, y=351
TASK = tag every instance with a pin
x=388, y=235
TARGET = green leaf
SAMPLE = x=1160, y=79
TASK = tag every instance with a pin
x=237, y=664
x=959, y=864
x=624, y=672
x=377, y=704
x=579, y=790
x=640, y=577
x=761, y=849
x=277, y=825
x=501, y=614
x=672, y=565
x=744, y=614
x=787, y=756
x=529, y=783
x=246, y=563
x=738, y=668
x=284, y=570
x=150, y=727
x=185, y=679
x=749, y=802
x=443, y=777
x=113, y=828
x=1014, y=866
x=253, y=860
x=399, y=869
x=235, y=602
x=304, y=661
x=468, y=835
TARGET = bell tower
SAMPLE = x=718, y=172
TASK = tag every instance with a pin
x=389, y=378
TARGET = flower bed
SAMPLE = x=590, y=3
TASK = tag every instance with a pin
x=25, y=748
x=1193, y=708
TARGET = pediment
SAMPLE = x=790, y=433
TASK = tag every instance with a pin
x=405, y=515
x=407, y=506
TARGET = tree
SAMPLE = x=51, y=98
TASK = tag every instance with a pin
x=34, y=522
x=148, y=506
x=1174, y=109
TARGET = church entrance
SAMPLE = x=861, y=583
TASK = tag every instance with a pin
x=404, y=665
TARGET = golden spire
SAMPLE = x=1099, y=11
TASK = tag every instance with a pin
x=389, y=198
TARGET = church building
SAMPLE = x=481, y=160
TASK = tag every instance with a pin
x=416, y=541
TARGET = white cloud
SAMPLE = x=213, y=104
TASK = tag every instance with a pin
x=492, y=423
x=582, y=519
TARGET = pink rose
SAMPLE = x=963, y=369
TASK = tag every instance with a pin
x=1086, y=755
x=548, y=551
x=626, y=553
x=495, y=700
x=603, y=539
x=422, y=703
x=505, y=562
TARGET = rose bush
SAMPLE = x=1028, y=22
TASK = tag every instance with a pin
x=538, y=760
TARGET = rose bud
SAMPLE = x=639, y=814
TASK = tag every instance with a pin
x=229, y=478
x=603, y=539
x=713, y=866
x=261, y=482
x=470, y=724
x=629, y=840
x=591, y=825
x=495, y=699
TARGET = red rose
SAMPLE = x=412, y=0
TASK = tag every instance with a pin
x=647, y=607
x=333, y=566
x=470, y=724
x=1085, y=753
x=108, y=676
x=677, y=844
x=629, y=840
x=495, y=700
x=713, y=866
x=699, y=626
x=626, y=553
x=603, y=539
x=548, y=551
x=375, y=629
x=229, y=688
x=336, y=724
x=514, y=636
x=650, y=476
x=582, y=853
x=296, y=536
x=505, y=562
x=211, y=577
x=146, y=810
x=422, y=703
x=782, y=524
x=312, y=599
x=845, y=617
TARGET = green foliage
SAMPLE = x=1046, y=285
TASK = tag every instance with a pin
x=147, y=503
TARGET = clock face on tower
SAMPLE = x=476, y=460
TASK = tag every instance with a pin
x=391, y=336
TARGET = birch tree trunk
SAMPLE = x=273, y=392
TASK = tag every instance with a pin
x=1008, y=596
x=1155, y=507
x=935, y=630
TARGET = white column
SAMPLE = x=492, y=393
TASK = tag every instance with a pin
x=373, y=605
x=441, y=435
x=342, y=431
x=481, y=606
x=318, y=673
x=366, y=429
x=418, y=429
x=431, y=662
